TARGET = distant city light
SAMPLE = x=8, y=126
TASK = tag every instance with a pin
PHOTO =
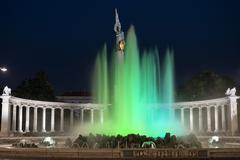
x=3, y=69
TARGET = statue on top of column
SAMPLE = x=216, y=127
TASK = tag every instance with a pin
x=7, y=91
x=120, y=42
x=231, y=92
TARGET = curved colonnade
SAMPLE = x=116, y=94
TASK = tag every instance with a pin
x=23, y=115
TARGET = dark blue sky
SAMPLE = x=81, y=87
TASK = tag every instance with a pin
x=63, y=37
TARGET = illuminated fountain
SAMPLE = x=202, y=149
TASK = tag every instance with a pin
x=138, y=94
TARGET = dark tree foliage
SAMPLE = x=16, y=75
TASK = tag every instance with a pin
x=36, y=88
x=205, y=85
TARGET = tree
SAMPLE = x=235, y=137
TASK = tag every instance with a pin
x=205, y=85
x=36, y=88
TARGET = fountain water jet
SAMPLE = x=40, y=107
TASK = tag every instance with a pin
x=140, y=97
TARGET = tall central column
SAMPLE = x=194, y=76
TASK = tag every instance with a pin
x=92, y=120
x=200, y=118
x=82, y=115
x=20, y=119
x=223, y=118
x=101, y=116
x=191, y=119
x=35, y=119
x=14, y=124
x=216, y=118
x=209, y=129
x=62, y=120
x=71, y=118
x=27, y=119
x=44, y=120
x=182, y=116
x=52, y=119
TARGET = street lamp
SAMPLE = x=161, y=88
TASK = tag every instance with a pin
x=3, y=69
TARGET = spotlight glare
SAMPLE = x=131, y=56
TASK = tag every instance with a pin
x=3, y=69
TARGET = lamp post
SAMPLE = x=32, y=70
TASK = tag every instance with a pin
x=3, y=69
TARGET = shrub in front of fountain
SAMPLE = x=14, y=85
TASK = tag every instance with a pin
x=135, y=141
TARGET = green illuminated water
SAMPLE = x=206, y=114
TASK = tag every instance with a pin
x=139, y=90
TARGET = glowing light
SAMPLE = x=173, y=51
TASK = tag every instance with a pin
x=49, y=141
x=122, y=45
x=213, y=139
x=3, y=69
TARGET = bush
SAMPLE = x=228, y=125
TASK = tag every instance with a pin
x=135, y=141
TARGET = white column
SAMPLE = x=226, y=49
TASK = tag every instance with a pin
x=209, y=129
x=6, y=117
x=20, y=119
x=101, y=116
x=44, y=120
x=14, y=124
x=200, y=119
x=71, y=118
x=223, y=119
x=216, y=118
x=233, y=117
x=35, y=119
x=92, y=119
x=182, y=116
x=27, y=119
x=52, y=119
x=62, y=120
x=82, y=115
x=191, y=119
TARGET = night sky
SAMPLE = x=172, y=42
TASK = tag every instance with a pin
x=63, y=37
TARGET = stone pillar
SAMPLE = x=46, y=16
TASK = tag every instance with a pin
x=62, y=120
x=209, y=129
x=82, y=115
x=200, y=119
x=52, y=119
x=101, y=116
x=44, y=120
x=232, y=115
x=35, y=119
x=27, y=119
x=92, y=113
x=182, y=116
x=191, y=119
x=223, y=119
x=216, y=118
x=71, y=118
x=6, y=117
x=14, y=124
x=20, y=119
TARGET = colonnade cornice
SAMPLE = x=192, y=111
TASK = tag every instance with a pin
x=89, y=106
x=203, y=103
x=56, y=105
